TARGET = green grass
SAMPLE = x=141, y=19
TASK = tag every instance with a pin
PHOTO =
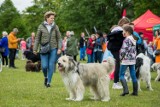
x=25, y=89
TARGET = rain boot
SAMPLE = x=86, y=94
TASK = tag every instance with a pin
x=135, y=89
x=125, y=87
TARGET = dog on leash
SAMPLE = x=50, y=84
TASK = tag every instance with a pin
x=143, y=70
x=77, y=75
x=31, y=56
x=33, y=67
x=156, y=67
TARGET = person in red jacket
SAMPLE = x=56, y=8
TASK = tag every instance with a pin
x=90, y=47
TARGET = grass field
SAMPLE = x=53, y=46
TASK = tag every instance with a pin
x=25, y=89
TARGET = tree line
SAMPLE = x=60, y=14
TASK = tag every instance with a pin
x=76, y=15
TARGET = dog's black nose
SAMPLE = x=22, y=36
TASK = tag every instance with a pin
x=59, y=63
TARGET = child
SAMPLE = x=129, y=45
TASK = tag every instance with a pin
x=128, y=59
x=23, y=48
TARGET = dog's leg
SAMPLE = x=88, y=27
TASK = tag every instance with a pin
x=71, y=95
x=94, y=90
x=79, y=91
x=139, y=87
x=158, y=76
x=104, y=89
x=149, y=85
x=79, y=95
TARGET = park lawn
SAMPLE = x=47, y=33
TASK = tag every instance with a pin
x=19, y=88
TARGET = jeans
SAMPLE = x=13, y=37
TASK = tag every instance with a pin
x=98, y=56
x=48, y=62
x=82, y=53
x=132, y=72
x=90, y=58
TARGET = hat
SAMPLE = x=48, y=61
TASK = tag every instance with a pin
x=49, y=13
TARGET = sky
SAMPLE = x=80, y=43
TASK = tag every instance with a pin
x=20, y=4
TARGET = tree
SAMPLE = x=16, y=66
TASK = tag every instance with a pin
x=141, y=6
x=80, y=14
x=10, y=18
x=36, y=12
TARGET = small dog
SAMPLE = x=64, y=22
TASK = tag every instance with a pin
x=76, y=75
x=30, y=66
x=143, y=70
x=31, y=56
x=156, y=67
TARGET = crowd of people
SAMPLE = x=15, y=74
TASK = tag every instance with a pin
x=122, y=43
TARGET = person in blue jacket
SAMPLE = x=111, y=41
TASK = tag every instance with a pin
x=4, y=44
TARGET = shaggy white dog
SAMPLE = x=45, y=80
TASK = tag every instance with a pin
x=143, y=70
x=156, y=67
x=76, y=75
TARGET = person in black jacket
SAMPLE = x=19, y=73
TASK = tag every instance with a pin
x=82, y=45
x=115, y=40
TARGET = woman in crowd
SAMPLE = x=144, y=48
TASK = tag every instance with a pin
x=90, y=47
x=98, y=47
x=128, y=59
x=64, y=44
x=48, y=29
x=157, y=45
x=4, y=44
x=115, y=40
x=23, y=48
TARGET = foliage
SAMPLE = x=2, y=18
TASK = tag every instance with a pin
x=19, y=88
x=77, y=15
x=141, y=6
x=73, y=15
x=10, y=18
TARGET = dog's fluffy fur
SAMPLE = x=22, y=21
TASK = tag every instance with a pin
x=76, y=76
x=156, y=67
x=33, y=67
x=31, y=56
x=143, y=70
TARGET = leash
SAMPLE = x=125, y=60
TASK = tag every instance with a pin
x=77, y=65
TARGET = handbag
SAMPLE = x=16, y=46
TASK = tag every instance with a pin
x=2, y=49
x=157, y=52
x=45, y=48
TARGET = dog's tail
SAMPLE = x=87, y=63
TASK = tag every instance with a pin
x=110, y=64
x=139, y=63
